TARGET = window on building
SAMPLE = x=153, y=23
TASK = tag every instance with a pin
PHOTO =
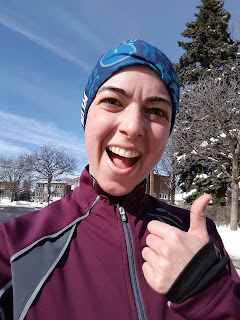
x=163, y=196
x=7, y=193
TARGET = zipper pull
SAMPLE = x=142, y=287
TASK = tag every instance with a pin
x=122, y=214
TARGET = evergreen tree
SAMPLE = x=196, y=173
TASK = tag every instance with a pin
x=200, y=176
x=208, y=139
x=210, y=44
x=208, y=157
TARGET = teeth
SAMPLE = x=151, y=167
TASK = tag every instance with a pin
x=124, y=153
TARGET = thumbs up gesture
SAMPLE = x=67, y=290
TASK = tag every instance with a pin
x=169, y=249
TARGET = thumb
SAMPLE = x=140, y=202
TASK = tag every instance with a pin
x=198, y=225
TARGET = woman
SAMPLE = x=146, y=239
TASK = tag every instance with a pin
x=108, y=250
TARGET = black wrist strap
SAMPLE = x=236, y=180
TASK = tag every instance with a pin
x=199, y=273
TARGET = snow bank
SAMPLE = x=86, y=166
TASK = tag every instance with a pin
x=7, y=202
x=231, y=240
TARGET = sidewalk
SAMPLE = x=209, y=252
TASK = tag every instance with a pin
x=236, y=262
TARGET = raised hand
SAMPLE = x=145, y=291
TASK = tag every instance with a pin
x=169, y=249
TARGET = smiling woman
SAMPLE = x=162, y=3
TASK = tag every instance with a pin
x=108, y=250
x=133, y=109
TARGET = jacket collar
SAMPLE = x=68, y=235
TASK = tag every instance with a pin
x=89, y=189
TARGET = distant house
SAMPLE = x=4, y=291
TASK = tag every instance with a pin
x=58, y=189
x=160, y=187
x=75, y=183
x=5, y=192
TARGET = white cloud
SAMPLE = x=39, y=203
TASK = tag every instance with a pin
x=17, y=130
x=20, y=134
x=6, y=147
x=45, y=43
x=68, y=29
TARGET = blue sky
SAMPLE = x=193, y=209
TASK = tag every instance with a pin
x=49, y=47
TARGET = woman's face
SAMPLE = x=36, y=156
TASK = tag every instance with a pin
x=127, y=128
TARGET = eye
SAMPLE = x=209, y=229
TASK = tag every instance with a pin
x=111, y=101
x=111, y=104
x=157, y=112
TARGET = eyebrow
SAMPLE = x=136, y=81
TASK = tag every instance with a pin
x=159, y=99
x=115, y=89
x=125, y=94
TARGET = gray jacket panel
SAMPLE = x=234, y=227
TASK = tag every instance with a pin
x=30, y=271
x=32, y=266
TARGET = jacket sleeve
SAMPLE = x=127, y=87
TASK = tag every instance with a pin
x=6, y=299
x=5, y=267
x=221, y=299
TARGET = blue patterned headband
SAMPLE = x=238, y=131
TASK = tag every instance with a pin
x=131, y=53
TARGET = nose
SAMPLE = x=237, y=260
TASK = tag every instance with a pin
x=132, y=122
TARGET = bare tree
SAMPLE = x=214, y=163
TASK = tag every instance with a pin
x=50, y=162
x=13, y=171
x=208, y=129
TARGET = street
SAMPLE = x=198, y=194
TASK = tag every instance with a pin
x=7, y=212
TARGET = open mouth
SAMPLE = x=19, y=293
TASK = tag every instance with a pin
x=122, y=158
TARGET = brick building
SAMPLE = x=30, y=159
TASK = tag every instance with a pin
x=159, y=187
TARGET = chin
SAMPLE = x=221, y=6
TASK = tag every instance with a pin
x=116, y=190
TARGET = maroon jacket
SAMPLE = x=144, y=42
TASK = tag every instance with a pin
x=78, y=259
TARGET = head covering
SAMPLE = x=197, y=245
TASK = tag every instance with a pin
x=131, y=53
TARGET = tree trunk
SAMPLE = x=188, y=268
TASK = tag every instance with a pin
x=148, y=184
x=14, y=190
x=235, y=191
x=48, y=191
x=152, y=182
x=173, y=188
x=234, y=206
x=13, y=195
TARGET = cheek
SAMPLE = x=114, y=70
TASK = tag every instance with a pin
x=99, y=129
x=157, y=145
x=90, y=137
x=89, y=147
x=159, y=138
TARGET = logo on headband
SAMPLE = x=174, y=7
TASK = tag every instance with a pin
x=84, y=104
x=118, y=54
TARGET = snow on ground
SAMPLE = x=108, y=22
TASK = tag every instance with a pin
x=231, y=239
x=6, y=202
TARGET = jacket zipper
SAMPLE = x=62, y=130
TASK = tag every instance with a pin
x=132, y=264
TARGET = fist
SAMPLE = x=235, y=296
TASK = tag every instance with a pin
x=169, y=249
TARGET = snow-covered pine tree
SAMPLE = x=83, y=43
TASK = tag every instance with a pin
x=207, y=136
x=209, y=46
x=207, y=124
